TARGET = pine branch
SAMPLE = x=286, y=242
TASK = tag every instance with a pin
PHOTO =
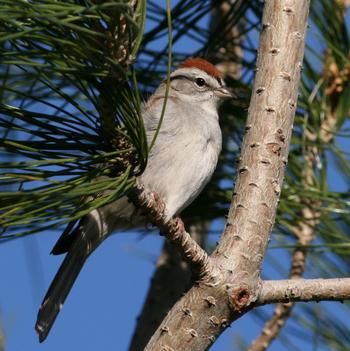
x=174, y=230
x=58, y=60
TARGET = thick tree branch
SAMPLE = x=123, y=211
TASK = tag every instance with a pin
x=207, y=309
x=170, y=280
x=171, y=277
x=305, y=228
x=266, y=143
x=304, y=231
x=296, y=290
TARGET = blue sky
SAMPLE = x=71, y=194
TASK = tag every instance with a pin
x=101, y=310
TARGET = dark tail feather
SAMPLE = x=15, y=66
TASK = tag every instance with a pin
x=58, y=291
x=65, y=241
x=82, y=242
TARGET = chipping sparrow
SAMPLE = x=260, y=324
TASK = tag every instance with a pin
x=180, y=164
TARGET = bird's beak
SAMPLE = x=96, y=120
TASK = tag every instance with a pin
x=223, y=93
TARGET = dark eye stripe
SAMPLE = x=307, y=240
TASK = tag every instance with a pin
x=195, y=80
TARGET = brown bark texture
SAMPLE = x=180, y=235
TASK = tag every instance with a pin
x=230, y=283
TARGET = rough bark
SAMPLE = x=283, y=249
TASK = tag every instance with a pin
x=212, y=304
x=174, y=231
x=305, y=228
x=171, y=279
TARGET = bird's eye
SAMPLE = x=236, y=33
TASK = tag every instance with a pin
x=200, y=82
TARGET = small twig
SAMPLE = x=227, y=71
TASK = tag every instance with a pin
x=298, y=290
x=272, y=327
x=174, y=231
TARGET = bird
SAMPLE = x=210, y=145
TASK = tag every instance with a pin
x=180, y=164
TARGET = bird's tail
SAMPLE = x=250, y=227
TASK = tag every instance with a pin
x=58, y=291
x=89, y=234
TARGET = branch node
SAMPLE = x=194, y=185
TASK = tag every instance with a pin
x=274, y=51
x=240, y=298
x=266, y=25
x=291, y=103
x=274, y=148
x=243, y=169
x=286, y=76
x=164, y=330
x=211, y=338
x=192, y=332
x=187, y=311
x=260, y=90
x=270, y=109
x=214, y=321
x=211, y=301
x=224, y=323
x=297, y=35
x=288, y=10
